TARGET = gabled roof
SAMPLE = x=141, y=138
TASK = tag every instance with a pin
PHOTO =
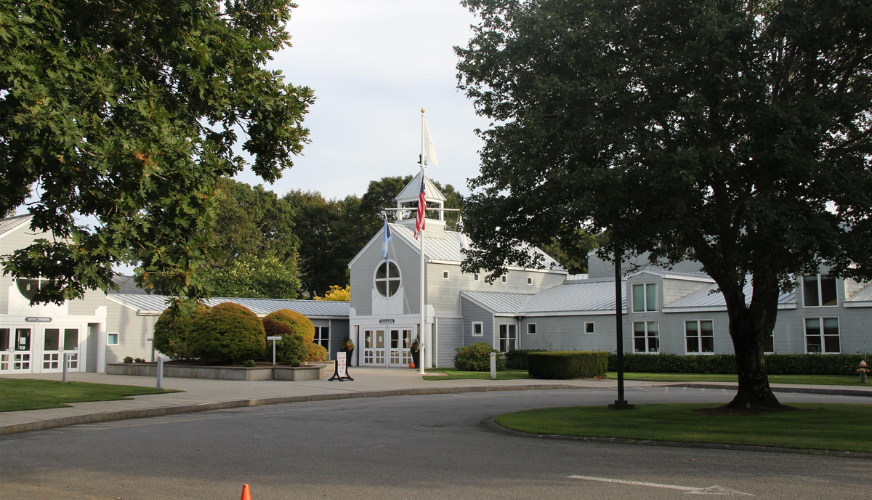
x=675, y=275
x=127, y=284
x=863, y=298
x=445, y=249
x=146, y=305
x=12, y=223
x=711, y=300
x=413, y=190
x=591, y=297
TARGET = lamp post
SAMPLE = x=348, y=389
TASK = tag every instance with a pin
x=620, y=403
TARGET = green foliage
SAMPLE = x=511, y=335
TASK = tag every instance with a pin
x=776, y=364
x=476, y=357
x=567, y=364
x=228, y=333
x=291, y=350
x=273, y=328
x=517, y=358
x=172, y=328
x=251, y=276
x=249, y=363
x=734, y=134
x=129, y=113
x=315, y=352
x=337, y=294
x=128, y=360
x=299, y=324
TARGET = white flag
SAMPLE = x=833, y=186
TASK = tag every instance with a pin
x=429, y=149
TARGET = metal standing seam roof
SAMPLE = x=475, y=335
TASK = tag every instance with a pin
x=580, y=297
x=666, y=273
x=10, y=224
x=863, y=295
x=447, y=248
x=261, y=307
x=708, y=297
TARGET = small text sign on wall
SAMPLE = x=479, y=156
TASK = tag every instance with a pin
x=341, y=371
x=386, y=321
x=38, y=319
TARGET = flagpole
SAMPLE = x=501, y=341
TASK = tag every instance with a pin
x=423, y=263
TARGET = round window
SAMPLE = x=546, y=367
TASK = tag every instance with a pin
x=387, y=279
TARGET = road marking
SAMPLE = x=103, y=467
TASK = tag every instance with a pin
x=690, y=490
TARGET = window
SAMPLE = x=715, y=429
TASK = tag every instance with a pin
x=645, y=297
x=28, y=287
x=475, y=277
x=112, y=339
x=445, y=275
x=531, y=328
x=819, y=291
x=529, y=281
x=822, y=340
x=699, y=337
x=322, y=337
x=646, y=336
x=508, y=338
x=588, y=328
x=387, y=279
x=504, y=278
x=477, y=329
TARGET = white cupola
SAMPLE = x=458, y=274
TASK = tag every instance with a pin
x=408, y=198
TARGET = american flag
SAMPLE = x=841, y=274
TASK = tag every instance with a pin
x=422, y=207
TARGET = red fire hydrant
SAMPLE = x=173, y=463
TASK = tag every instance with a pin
x=864, y=369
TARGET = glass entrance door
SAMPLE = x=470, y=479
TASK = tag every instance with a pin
x=399, y=352
x=21, y=353
x=374, y=347
x=5, y=350
x=56, y=343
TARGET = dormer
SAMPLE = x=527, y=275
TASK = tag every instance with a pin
x=408, y=198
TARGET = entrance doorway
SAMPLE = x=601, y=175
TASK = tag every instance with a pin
x=400, y=342
x=374, y=347
x=55, y=346
x=21, y=355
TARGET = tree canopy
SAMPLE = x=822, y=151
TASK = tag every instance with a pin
x=124, y=115
x=734, y=133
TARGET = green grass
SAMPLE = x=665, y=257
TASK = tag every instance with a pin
x=715, y=377
x=461, y=375
x=838, y=427
x=28, y=394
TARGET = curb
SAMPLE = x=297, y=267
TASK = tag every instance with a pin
x=796, y=390
x=109, y=416
x=491, y=425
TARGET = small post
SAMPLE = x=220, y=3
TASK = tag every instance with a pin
x=493, y=366
x=274, y=338
x=151, y=339
x=66, y=364
x=159, y=372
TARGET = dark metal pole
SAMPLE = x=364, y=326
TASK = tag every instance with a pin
x=620, y=403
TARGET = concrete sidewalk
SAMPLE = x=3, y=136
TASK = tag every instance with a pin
x=202, y=395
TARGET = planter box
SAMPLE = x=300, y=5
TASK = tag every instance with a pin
x=314, y=371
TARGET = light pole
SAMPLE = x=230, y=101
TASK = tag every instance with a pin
x=620, y=403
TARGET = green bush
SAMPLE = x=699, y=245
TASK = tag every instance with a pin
x=517, y=359
x=172, y=328
x=567, y=364
x=291, y=350
x=273, y=328
x=476, y=357
x=228, y=333
x=315, y=352
x=299, y=324
x=776, y=364
x=249, y=363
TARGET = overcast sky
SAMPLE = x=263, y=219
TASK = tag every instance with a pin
x=373, y=65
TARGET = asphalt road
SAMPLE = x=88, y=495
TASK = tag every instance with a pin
x=401, y=448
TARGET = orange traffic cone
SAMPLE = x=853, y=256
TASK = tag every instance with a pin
x=246, y=495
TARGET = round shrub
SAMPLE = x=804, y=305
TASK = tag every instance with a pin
x=299, y=324
x=291, y=350
x=315, y=352
x=476, y=357
x=172, y=328
x=229, y=333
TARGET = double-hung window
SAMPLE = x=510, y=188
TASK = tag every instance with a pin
x=645, y=297
x=699, y=337
x=322, y=337
x=822, y=335
x=646, y=336
x=819, y=291
x=508, y=338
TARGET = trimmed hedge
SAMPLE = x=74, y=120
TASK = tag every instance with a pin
x=567, y=364
x=316, y=352
x=172, y=328
x=517, y=359
x=476, y=357
x=291, y=350
x=776, y=364
x=299, y=324
x=228, y=333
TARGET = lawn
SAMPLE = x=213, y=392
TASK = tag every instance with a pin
x=453, y=374
x=838, y=427
x=27, y=394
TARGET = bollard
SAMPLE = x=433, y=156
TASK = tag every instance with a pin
x=159, y=372
x=493, y=360
x=274, y=338
x=66, y=364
